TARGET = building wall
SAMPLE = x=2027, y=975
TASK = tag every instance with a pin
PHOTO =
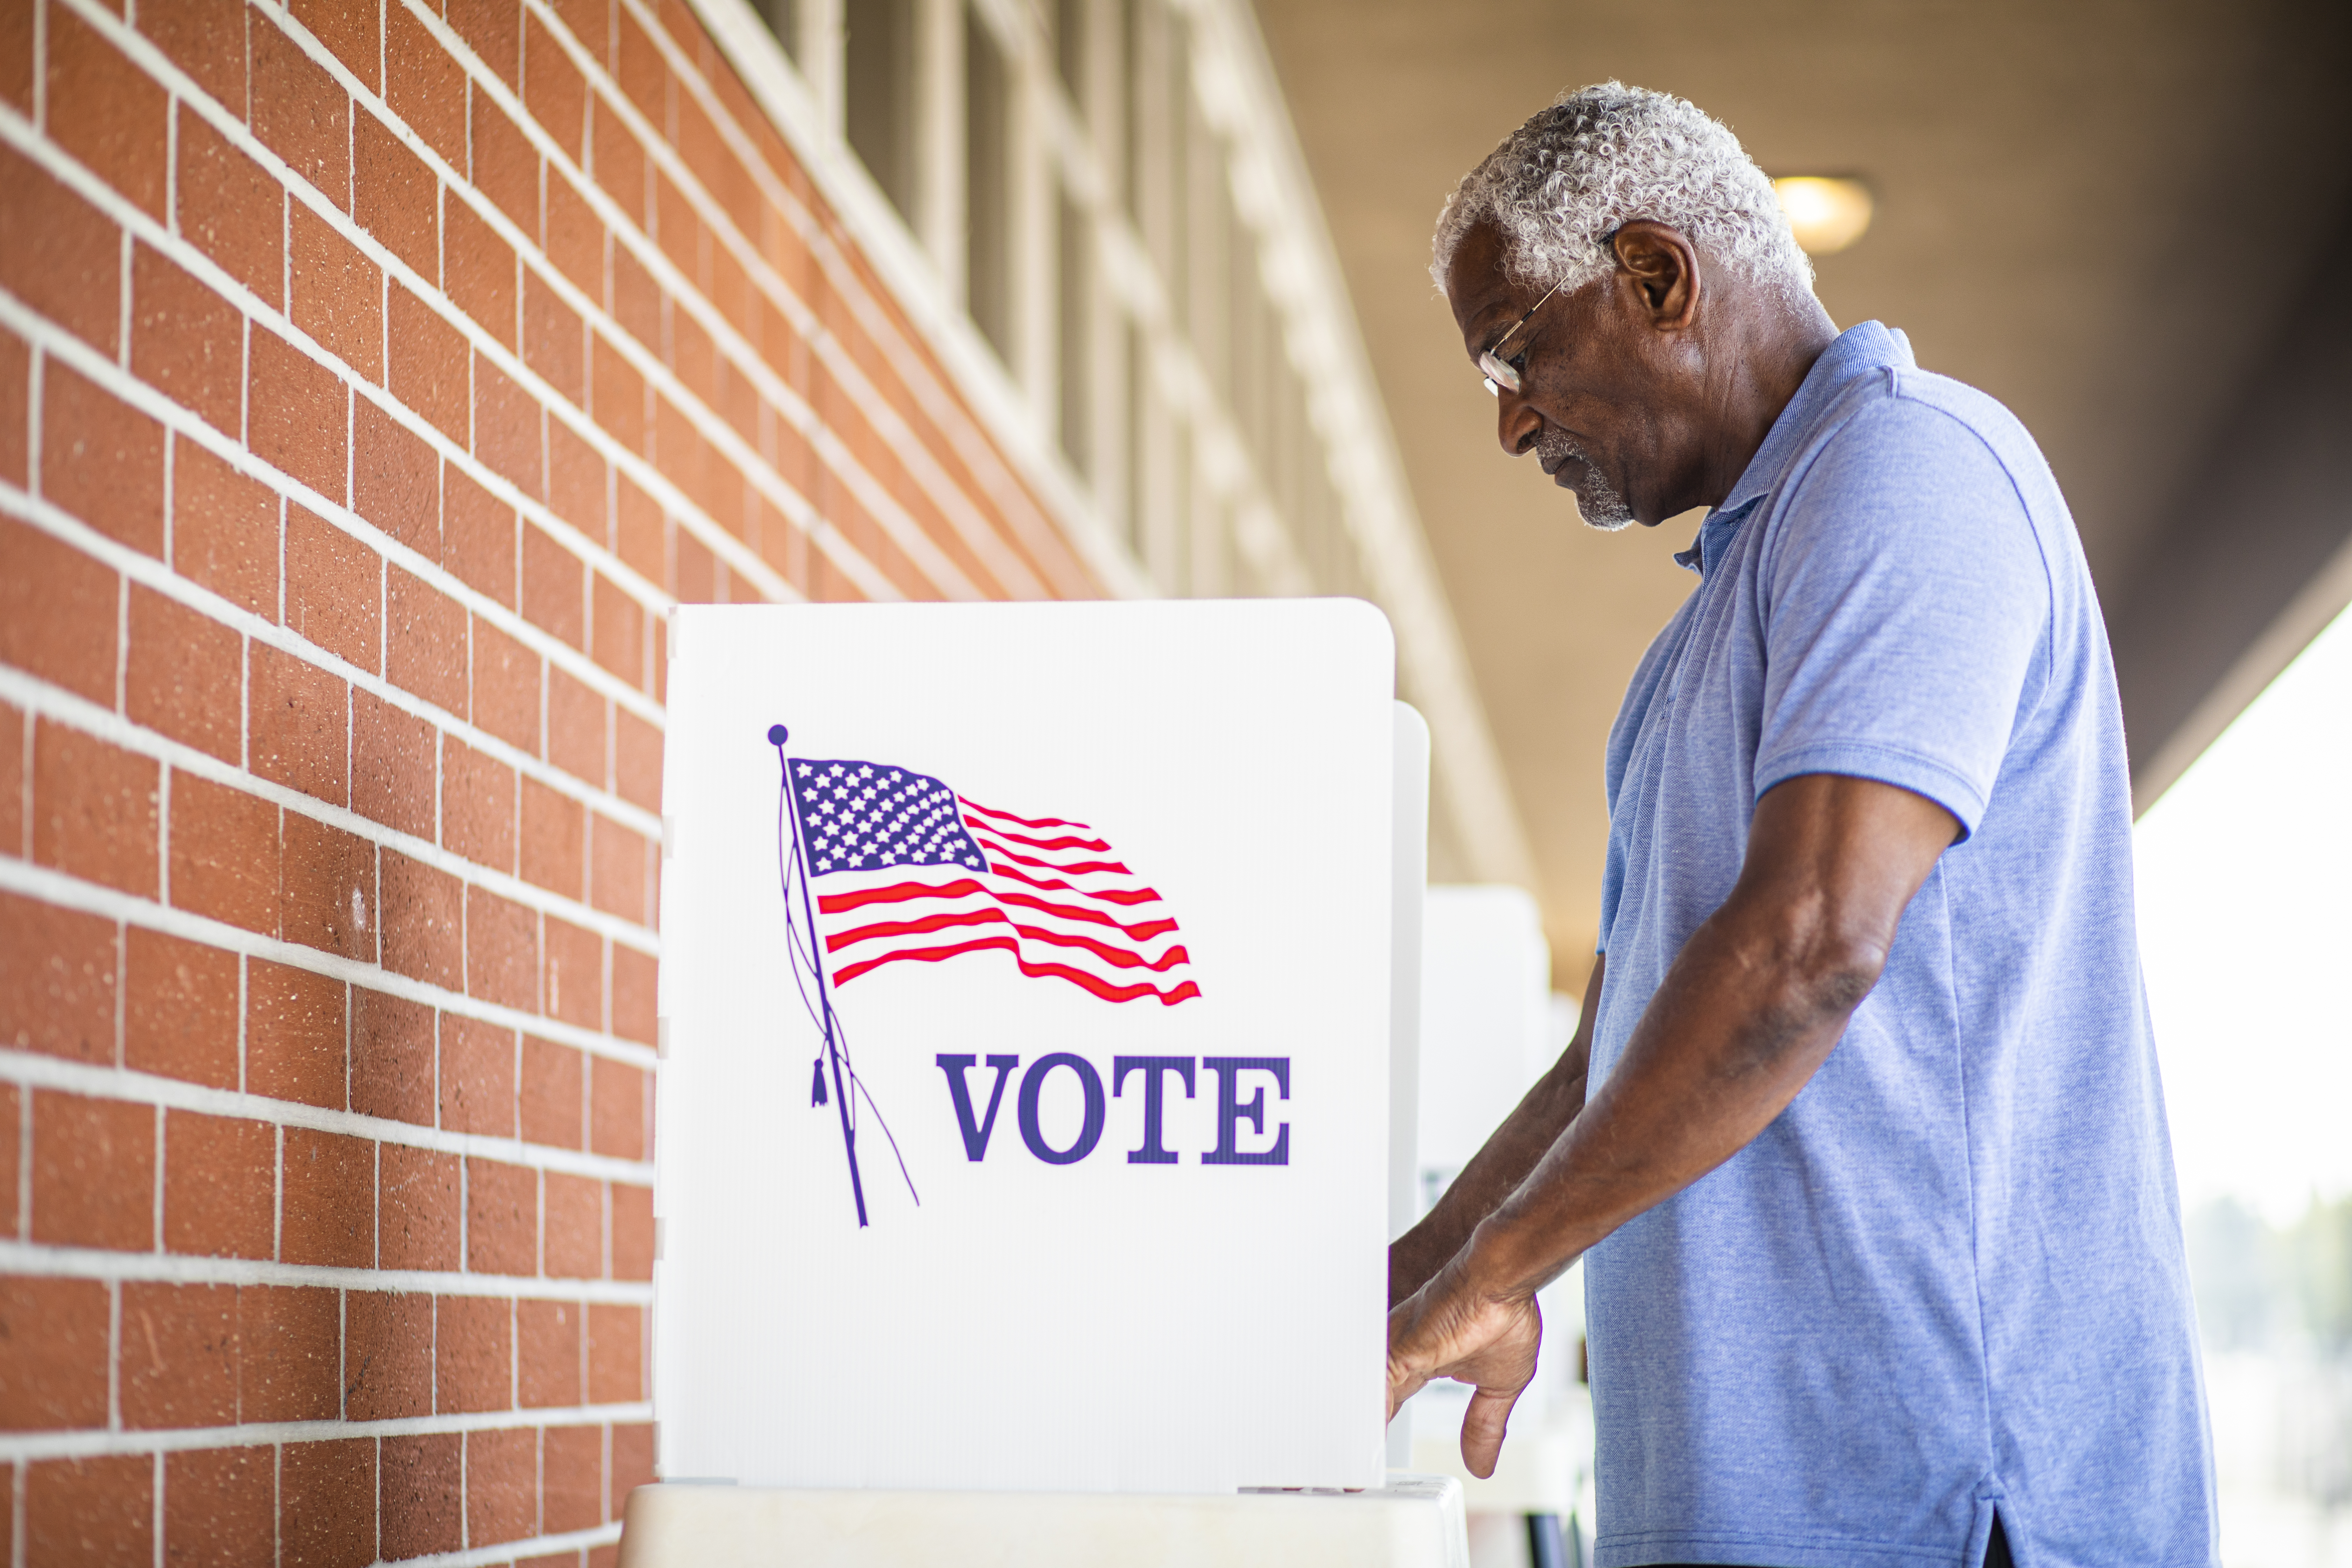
x=370, y=380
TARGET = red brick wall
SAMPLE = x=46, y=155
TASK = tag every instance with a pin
x=371, y=379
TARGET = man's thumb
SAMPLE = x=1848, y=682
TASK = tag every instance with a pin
x=1483, y=1427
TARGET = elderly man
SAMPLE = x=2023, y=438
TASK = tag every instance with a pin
x=1859, y=1137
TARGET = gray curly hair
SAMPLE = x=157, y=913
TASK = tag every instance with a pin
x=1561, y=185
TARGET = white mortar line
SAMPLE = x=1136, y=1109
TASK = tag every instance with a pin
x=90, y=1443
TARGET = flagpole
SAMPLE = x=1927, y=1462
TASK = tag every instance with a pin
x=777, y=736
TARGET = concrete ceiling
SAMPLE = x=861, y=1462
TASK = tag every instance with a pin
x=2101, y=212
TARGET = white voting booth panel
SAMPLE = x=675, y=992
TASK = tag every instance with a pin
x=1122, y=1166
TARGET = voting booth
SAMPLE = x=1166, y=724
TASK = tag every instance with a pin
x=1024, y=1122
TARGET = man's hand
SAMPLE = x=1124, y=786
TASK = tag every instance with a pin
x=1450, y=1329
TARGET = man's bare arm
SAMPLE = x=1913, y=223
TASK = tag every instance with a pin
x=1750, y=1008
x=1509, y=1153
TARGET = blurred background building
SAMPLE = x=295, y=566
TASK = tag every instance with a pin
x=373, y=373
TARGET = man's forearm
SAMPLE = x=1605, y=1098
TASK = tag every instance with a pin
x=1510, y=1155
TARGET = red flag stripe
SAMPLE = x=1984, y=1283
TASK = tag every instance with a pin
x=1024, y=821
x=1121, y=957
x=995, y=851
x=902, y=892
x=1107, y=895
x=1078, y=977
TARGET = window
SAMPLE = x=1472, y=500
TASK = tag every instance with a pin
x=879, y=94
x=988, y=194
x=1076, y=321
x=784, y=19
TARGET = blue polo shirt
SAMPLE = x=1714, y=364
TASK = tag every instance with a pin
x=1949, y=1280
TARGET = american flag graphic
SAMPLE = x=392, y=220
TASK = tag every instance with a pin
x=913, y=872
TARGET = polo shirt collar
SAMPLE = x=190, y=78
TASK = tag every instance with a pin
x=1857, y=352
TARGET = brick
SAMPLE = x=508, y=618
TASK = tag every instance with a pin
x=12, y=1143
x=422, y=922
x=107, y=112
x=679, y=231
x=424, y=1495
x=231, y=209
x=547, y=1353
x=327, y=895
x=575, y=727
x=636, y=300
x=591, y=22
x=93, y=1172
x=205, y=38
x=553, y=587
x=16, y=89
x=615, y=1353
x=554, y=835
x=335, y=586
x=16, y=409
x=478, y=270
x=620, y=624
x=553, y=90
x=58, y=254
x=187, y=341
x=349, y=29
x=220, y=1505
x=620, y=1108
x=642, y=74
x=426, y=364
x=554, y=1090
x=573, y=1245
x=420, y=1210
x=640, y=533
x=493, y=30
x=633, y=1232
x=220, y=1185
x=396, y=480
x=633, y=1461
x=179, y=1010
x=507, y=421
x=57, y=612
x=329, y=1203
x=392, y=767
x=57, y=980
x=428, y=90
x=575, y=238
x=224, y=528
x=392, y=1057
x=633, y=995
x=179, y=1355
x=619, y=161
x=575, y=974
x=501, y=1218
x=636, y=760
x=289, y=1353
x=506, y=677
x=394, y=196
x=294, y=1035
x=477, y=806
x=326, y=1503
x=97, y=1511
x=186, y=674
x=338, y=294
x=694, y=570
x=479, y=540
x=53, y=1354
x=102, y=460
x=501, y=1485
x=617, y=870
x=95, y=809
x=224, y=854
x=571, y=1483
x=472, y=1354
x=616, y=396
x=300, y=113
x=477, y=1077
x=576, y=483
x=296, y=415
x=297, y=726
x=501, y=950
x=387, y=1355
x=506, y=168
x=424, y=648
x=554, y=340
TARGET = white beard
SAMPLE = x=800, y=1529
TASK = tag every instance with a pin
x=1596, y=499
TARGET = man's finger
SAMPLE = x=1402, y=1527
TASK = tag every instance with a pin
x=1482, y=1427
x=1402, y=1385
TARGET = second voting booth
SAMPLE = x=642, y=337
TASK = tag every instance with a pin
x=1027, y=999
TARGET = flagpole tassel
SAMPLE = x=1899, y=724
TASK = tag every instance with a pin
x=816, y=1083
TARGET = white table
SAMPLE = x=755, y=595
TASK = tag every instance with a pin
x=1415, y=1521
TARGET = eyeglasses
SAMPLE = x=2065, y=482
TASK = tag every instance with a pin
x=1500, y=372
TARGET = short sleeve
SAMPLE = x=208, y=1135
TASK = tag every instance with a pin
x=1907, y=608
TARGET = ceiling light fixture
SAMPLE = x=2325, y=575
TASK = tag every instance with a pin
x=1826, y=214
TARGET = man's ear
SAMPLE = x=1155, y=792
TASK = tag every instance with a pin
x=1663, y=264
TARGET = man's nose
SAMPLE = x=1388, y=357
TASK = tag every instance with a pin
x=1517, y=425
